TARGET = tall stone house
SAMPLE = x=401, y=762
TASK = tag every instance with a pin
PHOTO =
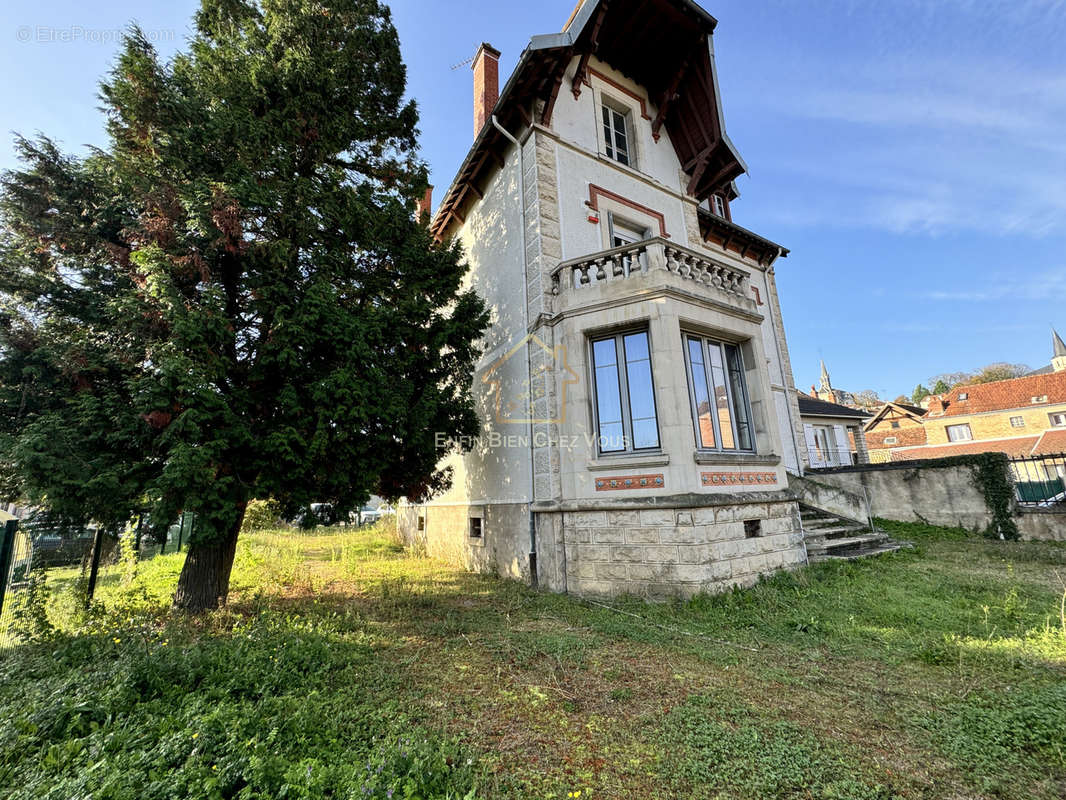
x=1020, y=417
x=637, y=401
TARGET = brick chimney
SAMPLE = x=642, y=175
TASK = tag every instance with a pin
x=424, y=205
x=486, y=68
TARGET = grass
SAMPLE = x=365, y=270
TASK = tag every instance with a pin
x=345, y=667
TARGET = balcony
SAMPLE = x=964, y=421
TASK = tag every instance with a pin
x=651, y=266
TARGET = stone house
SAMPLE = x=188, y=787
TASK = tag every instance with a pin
x=1020, y=417
x=636, y=396
x=833, y=433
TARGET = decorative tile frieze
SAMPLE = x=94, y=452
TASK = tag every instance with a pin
x=630, y=482
x=738, y=478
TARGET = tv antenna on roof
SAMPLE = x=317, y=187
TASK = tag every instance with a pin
x=463, y=63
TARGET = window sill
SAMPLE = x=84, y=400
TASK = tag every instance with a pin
x=709, y=457
x=631, y=461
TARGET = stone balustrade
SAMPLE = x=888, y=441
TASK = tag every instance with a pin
x=645, y=257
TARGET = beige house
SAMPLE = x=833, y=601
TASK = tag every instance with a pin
x=1023, y=416
x=638, y=406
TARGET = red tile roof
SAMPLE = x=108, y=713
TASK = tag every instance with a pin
x=1003, y=395
x=1018, y=446
x=1051, y=443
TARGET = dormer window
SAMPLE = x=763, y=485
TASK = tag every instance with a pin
x=718, y=205
x=1041, y=399
x=964, y=396
x=616, y=135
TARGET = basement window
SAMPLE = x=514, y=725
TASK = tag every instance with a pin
x=421, y=522
x=752, y=528
x=475, y=527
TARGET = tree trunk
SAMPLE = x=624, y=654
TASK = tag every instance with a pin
x=204, y=581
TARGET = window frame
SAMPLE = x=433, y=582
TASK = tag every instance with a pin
x=1017, y=422
x=1051, y=419
x=622, y=370
x=964, y=425
x=731, y=401
x=607, y=124
x=891, y=440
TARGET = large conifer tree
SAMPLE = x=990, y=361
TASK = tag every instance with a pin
x=232, y=299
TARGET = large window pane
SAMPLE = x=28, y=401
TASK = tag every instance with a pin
x=641, y=394
x=608, y=396
x=702, y=400
x=721, y=396
x=735, y=365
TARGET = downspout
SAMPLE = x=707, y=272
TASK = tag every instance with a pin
x=781, y=364
x=529, y=368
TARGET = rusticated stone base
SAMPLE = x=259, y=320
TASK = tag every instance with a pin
x=661, y=553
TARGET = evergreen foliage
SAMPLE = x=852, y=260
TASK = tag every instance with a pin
x=232, y=300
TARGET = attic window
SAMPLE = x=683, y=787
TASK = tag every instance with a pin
x=964, y=396
x=718, y=205
x=616, y=134
x=895, y=424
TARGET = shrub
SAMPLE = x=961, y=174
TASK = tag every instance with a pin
x=261, y=515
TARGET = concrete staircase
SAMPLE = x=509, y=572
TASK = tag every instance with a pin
x=832, y=538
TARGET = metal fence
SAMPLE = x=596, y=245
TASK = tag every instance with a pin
x=46, y=570
x=1040, y=480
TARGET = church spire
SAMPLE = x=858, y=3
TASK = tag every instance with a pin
x=1058, y=354
x=826, y=385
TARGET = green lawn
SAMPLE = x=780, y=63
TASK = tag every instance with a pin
x=345, y=667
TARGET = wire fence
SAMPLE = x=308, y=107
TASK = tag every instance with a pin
x=44, y=569
x=1040, y=481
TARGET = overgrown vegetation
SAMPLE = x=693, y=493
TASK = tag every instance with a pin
x=345, y=667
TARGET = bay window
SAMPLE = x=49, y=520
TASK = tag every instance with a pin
x=719, y=396
x=624, y=399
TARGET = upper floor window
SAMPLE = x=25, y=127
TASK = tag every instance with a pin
x=1057, y=420
x=624, y=400
x=718, y=205
x=719, y=395
x=959, y=433
x=1017, y=422
x=617, y=135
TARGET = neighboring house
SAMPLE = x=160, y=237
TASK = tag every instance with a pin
x=1020, y=417
x=896, y=425
x=833, y=433
x=636, y=397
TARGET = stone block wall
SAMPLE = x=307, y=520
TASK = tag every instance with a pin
x=660, y=553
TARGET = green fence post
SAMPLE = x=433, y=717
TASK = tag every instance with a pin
x=7, y=549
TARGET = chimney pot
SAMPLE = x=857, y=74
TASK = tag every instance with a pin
x=486, y=68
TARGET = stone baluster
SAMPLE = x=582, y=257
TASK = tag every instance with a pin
x=583, y=268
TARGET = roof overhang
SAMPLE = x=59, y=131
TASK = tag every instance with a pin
x=663, y=45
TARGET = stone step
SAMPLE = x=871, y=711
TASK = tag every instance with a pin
x=829, y=545
x=854, y=555
x=836, y=532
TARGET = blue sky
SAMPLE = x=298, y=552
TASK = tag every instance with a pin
x=910, y=153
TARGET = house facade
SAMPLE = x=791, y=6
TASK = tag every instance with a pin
x=636, y=396
x=833, y=433
x=1020, y=417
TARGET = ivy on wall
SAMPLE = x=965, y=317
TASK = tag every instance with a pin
x=992, y=477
